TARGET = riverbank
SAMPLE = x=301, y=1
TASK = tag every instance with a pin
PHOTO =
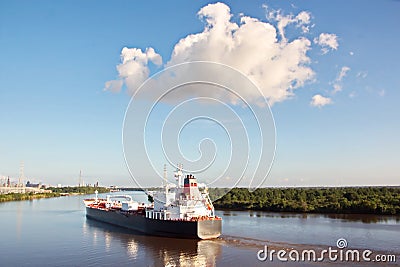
x=26, y=196
x=361, y=200
x=55, y=192
x=346, y=200
x=83, y=190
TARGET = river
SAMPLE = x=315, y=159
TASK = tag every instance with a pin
x=55, y=232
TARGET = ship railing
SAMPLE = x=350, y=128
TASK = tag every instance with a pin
x=157, y=215
x=127, y=197
x=165, y=215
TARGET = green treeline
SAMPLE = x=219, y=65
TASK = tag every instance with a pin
x=79, y=189
x=370, y=200
x=26, y=196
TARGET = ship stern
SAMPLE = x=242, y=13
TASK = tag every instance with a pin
x=208, y=229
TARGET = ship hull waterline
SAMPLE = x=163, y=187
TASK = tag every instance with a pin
x=203, y=229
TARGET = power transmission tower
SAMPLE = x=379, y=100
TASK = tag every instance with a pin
x=80, y=178
x=21, y=175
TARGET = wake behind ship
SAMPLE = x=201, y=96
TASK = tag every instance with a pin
x=179, y=210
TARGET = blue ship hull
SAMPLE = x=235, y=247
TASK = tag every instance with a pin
x=202, y=229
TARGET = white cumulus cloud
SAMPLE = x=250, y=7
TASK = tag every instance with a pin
x=113, y=86
x=337, y=84
x=250, y=46
x=133, y=69
x=337, y=87
x=301, y=20
x=328, y=41
x=320, y=101
x=277, y=66
x=362, y=74
x=343, y=73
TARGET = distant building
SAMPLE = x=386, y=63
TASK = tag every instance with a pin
x=29, y=184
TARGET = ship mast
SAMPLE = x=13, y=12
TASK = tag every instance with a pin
x=178, y=175
x=165, y=178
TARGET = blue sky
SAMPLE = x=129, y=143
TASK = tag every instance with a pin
x=55, y=58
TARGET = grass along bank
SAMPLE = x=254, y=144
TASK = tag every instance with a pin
x=56, y=192
x=26, y=196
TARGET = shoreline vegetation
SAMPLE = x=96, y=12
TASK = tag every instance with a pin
x=26, y=196
x=56, y=192
x=79, y=190
x=355, y=200
x=339, y=200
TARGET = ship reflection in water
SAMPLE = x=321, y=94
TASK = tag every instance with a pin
x=55, y=232
x=157, y=251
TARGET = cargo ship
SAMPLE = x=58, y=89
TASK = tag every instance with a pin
x=181, y=210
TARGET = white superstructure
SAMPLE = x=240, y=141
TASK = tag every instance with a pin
x=183, y=201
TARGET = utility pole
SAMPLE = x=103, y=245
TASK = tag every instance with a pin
x=80, y=179
x=21, y=175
